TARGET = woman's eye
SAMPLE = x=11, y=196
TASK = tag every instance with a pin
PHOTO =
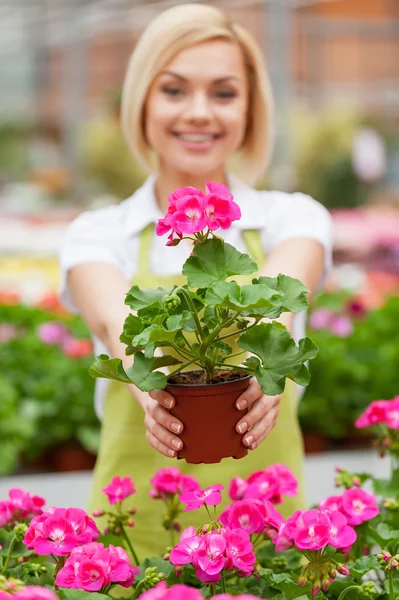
x=172, y=91
x=225, y=94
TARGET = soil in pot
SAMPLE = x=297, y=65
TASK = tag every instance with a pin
x=209, y=414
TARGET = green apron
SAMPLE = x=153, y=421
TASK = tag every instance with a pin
x=124, y=450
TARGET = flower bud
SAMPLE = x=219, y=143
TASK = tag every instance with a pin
x=325, y=584
x=178, y=571
x=19, y=531
x=343, y=570
x=205, y=528
x=356, y=481
x=176, y=526
x=302, y=580
x=132, y=510
x=316, y=587
x=394, y=563
x=166, y=556
x=338, y=469
x=130, y=523
x=98, y=512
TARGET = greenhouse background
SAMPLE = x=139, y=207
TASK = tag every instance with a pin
x=335, y=74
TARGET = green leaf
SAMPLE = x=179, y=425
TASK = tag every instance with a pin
x=284, y=583
x=229, y=294
x=279, y=355
x=132, y=327
x=143, y=374
x=215, y=260
x=363, y=565
x=109, y=368
x=163, y=566
x=68, y=594
x=153, y=333
x=137, y=298
x=293, y=292
x=176, y=322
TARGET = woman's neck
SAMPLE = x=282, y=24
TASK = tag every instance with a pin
x=168, y=181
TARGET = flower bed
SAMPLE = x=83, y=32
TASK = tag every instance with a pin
x=347, y=545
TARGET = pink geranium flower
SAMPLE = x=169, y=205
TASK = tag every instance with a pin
x=20, y=505
x=188, y=216
x=210, y=557
x=359, y=506
x=220, y=208
x=183, y=553
x=239, y=550
x=58, y=531
x=52, y=332
x=392, y=413
x=34, y=592
x=170, y=481
x=374, y=413
x=252, y=515
x=195, y=499
x=271, y=484
x=176, y=592
x=238, y=487
x=119, y=489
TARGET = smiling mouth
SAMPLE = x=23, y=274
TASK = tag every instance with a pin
x=197, y=137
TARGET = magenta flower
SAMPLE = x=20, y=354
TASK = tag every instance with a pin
x=320, y=318
x=374, y=413
x=34, y=592
x=237, y=489
x=239, y=551
x=119, y=489
x=314, y=530
x=341, y=534
x=254, y=516
x=195, y=499
x=52, y=332
x=392, y=413
x=176, y=592
x=341, y=326
x=210, y=557
x=332, y=503
x=20, y=505
x=183, y=553
x=171, y=481
x=270, y=484
x=220, y=208
x=93, y=568
x=359, y=506
x=58, y=531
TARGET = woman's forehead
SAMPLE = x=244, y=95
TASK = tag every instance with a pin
x=212, y=60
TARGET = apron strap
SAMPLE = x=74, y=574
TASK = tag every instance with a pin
x=254, y=246
x=143, y=262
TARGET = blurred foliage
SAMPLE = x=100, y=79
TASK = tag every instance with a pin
x=13, y=151
x=46, y=396
x=350, y=372
x=108, y=160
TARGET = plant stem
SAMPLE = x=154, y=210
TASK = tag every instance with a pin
x=181, y=367
x=236, y=367
x=224, y=589
x=241, y=331
x=192, y=309
x=207, y=510
x=128, y=542
x=391, y=590
x=346, y=590
x=8, y=558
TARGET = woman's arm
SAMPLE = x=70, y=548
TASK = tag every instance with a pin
x=302, y=258
x=99, y=291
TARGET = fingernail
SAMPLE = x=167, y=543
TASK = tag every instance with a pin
x=168, y=402
x=249, y=439
x=242, y=404
x=176, y=444
x=253, y=446
x=171, y=452
x=176, y=427
x=242, y=427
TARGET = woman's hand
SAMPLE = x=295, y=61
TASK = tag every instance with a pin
x=261, y=416
x=161, y=426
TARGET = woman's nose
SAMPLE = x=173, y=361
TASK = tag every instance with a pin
x=199, y=109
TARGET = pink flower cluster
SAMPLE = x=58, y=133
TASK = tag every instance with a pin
x=57, y=334
x=252, y=515
x=119, y=489
x=93, y=567
x=170, y=481
x=59, y=530
x=196, y=498
x=324, y=318
x=380, y=411
x=32, y=592
x=184, y=592
x=271, y=484
x=313, y=530
x=213, y=552
x=355, y=503
x=190, y=211
x=20, y=505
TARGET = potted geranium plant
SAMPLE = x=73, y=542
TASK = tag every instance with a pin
x=210, y=324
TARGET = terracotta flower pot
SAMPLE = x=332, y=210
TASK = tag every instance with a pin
x=209, y=416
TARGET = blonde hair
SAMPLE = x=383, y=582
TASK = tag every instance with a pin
x=168, y=34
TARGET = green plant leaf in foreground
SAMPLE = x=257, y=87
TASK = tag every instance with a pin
x=215, y=260
x=109, y=368
x=279, y=356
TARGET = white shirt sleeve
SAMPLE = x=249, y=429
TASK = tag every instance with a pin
x=297, y=215
x=93, y=236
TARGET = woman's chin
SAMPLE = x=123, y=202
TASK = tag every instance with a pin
x=197, y=166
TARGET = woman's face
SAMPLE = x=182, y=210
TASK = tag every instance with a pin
x=196, y=109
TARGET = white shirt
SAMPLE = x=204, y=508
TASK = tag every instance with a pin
x=112, y=235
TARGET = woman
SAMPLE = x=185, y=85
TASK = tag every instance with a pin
x=196, y=94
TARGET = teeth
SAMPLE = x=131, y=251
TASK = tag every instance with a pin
x=196, y=137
